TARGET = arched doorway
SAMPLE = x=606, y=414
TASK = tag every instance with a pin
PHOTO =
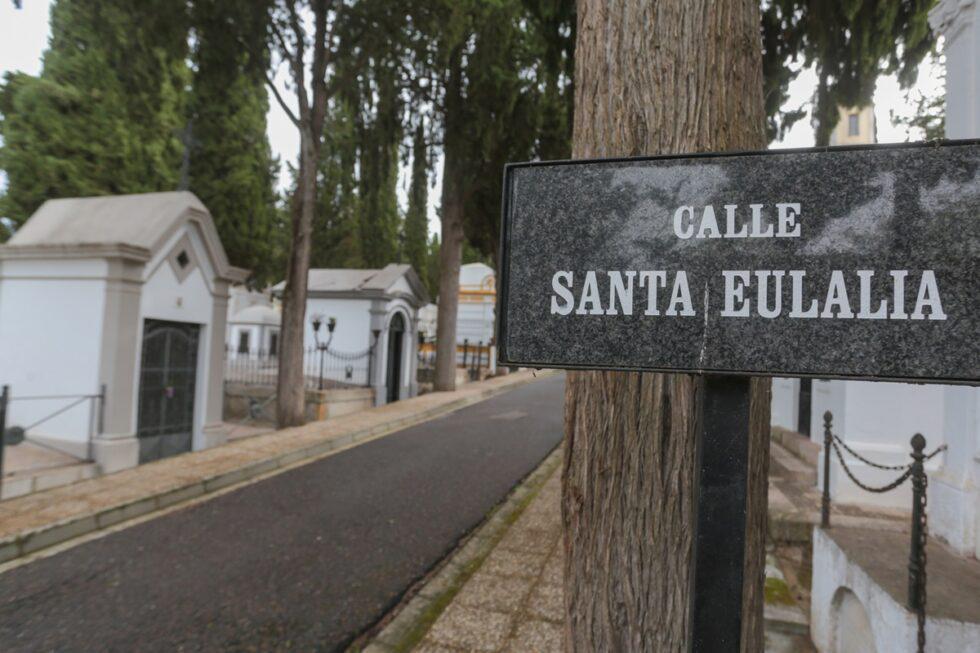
x=396, y=333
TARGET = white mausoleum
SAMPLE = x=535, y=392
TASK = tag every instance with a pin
x=254, y=321
x=376, y=313
x=127, y=293
x=477, y=304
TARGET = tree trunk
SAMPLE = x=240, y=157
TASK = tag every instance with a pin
x=450, y=258
x=654, y=78
x=451, y=247
x=290, y=387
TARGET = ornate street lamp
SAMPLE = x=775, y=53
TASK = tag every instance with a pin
x=322, y=347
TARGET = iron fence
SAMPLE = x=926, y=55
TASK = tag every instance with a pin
x=915, y=471
x=324, y=368
x=13, y=434
x=472, y=357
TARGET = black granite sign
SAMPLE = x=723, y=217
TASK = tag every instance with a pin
x=842, y=262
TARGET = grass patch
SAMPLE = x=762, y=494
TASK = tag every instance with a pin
x=777, y=592
x=437, y=605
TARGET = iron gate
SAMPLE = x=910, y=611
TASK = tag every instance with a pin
x=167, y=378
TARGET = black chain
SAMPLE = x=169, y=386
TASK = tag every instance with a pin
x=891, y=486
x=865, y=460
x=349, y=356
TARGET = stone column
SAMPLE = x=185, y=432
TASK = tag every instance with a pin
x=212, y=433
x=954, y=495
x=413, y=354
x=116, y=447
x=379, y=363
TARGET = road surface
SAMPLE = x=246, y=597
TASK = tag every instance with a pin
x=305, y=560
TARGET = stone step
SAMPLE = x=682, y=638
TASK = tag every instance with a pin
x=25, y=482
x=784, y=464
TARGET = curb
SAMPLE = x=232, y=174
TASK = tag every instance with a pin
x=36, y=539
x=405, y=625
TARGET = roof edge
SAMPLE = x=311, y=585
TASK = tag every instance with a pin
x=101, y=250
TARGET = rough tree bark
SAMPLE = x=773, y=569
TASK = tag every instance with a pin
x=287, y=25
x=451, y=245
x=654, y=77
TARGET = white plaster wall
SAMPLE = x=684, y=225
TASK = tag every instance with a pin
x=165, y=297
x=877, y=420
x=785, y=403
x=353, y=332
x=893, y=628
x=474, y=322
x=954, y=489
x=51, y=314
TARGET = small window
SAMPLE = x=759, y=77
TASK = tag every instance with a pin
x=243, y=342
x=274, y=343
x=183, y=260
x=853, y=125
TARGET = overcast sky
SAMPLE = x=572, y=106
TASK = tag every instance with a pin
x=24, y=36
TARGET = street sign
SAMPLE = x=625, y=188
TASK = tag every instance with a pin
x=857, y=262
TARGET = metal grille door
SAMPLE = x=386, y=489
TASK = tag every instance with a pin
x=167, y=376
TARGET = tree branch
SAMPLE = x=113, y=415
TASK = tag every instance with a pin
x=282, y=103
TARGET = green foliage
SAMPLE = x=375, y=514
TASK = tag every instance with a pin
x=231, y=167
x=337, y=228
x=104, y=115
x=929, y=117
x=851, y=43
x=416, y=226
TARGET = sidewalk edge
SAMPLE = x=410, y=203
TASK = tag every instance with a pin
x=407, y=623
x=34, y=540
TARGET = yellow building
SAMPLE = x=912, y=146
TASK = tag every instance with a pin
x=855, y=127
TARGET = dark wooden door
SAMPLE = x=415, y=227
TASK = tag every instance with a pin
x=168, y=373
x=396, y=334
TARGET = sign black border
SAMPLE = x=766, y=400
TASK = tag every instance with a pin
x=504, y=260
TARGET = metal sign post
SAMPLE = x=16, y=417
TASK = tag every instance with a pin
x=855, y=262
x=719, y=539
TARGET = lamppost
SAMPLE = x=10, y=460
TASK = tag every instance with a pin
x=322, y=347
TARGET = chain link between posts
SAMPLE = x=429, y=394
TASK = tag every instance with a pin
x=838, y=444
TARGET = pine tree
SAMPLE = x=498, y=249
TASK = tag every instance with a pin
x=105, y=113
x=416, y=227
x=231, y=166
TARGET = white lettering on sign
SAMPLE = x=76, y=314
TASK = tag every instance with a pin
x=747, y=293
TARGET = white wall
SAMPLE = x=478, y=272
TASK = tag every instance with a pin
x=785, y=403
x=51, y=314
x=954, y=490
x=474, y=321
x=893, y=628
x=165, y=297
x=876, y=419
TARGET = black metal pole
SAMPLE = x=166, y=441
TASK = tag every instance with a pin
x=828, y=419
x=918, y=488
x=466, y=345
x=101, y=425
x=719, y=543
x=320, y=384
x=4, y=398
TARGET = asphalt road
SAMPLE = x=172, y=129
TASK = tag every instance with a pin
x=305, y=560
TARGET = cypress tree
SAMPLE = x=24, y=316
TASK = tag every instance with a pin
x=231, y=167
x=105, y=113
x=416, y=228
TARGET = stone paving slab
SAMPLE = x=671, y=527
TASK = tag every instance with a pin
x=510, y=598
x=36, y=521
